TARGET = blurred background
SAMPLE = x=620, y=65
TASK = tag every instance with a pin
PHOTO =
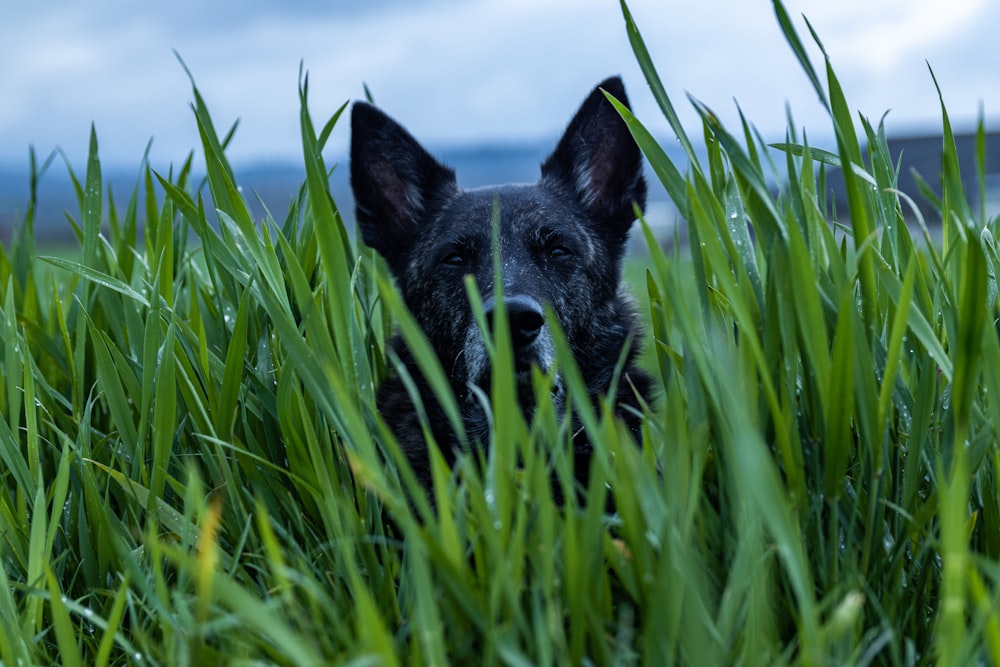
x=487, y=85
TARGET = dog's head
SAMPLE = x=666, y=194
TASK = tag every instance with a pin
x=560, y=240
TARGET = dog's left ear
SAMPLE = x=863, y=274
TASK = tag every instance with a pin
x=598, y=161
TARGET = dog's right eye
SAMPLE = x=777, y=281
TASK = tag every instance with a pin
x=454, y=259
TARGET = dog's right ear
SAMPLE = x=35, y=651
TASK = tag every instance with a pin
x=395, y=182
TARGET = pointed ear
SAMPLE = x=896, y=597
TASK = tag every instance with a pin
x=395, y=182
x=598, y=162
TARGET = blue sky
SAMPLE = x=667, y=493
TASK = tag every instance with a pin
x=461, y=71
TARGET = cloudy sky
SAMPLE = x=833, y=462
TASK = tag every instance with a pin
x=457, y=71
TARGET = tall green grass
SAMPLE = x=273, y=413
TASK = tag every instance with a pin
x=194, y=471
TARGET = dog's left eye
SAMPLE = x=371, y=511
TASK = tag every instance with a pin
x=556, y=252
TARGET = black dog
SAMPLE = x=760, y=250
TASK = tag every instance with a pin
x=561, y=243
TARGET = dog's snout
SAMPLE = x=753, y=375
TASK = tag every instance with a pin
x=524, y=314
x=526, y=320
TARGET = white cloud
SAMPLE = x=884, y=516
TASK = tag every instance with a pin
x=456, y=71
x=888, y=33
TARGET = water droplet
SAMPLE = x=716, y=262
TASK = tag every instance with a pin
x=653, y=539
x=229, y=316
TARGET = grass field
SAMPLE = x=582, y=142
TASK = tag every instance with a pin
x=193, y=470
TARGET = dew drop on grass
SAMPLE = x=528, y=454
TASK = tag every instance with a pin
x=654, y=539
x=491, y=502
x=905, y=417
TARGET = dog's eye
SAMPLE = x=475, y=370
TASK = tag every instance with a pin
x=454, y=259
x=558, y=251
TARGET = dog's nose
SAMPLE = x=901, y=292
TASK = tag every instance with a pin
x=524, y=314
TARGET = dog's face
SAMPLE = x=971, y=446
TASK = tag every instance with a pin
x=560, y=240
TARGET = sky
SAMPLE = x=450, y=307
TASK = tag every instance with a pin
x=458, y=72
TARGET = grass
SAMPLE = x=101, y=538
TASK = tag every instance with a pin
x=194, y=471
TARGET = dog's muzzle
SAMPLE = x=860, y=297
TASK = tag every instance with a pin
x=531, y=341
x=524, y=315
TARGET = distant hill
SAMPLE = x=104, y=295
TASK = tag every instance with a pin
x=275, y=185
x=265, y=185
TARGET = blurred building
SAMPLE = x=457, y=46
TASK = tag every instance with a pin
x=919, y=157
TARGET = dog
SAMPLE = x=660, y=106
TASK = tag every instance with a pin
x=561, y=243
